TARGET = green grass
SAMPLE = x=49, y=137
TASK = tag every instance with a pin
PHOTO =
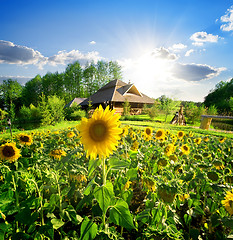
x=61, y=125
x=137, y=121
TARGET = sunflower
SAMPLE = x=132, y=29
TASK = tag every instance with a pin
x=9, y=152
x=70, y=134
x=160, y=134
x=180, y=134
x=228, y=202
x=197, y=140
x=100, y=133
x=25, y=139
x=222, y=140
x=135, y=146
x=148, y=133
x=185, y=149
x=57, y=153
x=206, y=139
x=169, y=149
x=125, y=131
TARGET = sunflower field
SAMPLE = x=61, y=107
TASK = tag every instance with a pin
x=101, y=180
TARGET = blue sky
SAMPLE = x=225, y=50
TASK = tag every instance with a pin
x=178, y=48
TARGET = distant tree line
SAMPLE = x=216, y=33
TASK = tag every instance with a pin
x=221, y=97
x=41, y=92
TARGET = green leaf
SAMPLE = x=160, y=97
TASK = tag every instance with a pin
x=120, y=215
x=132, y=173
x=88, y=229
x=57, y=223
x=25, y=216
x=92, y=165
x=3, y=229
x=116, y=164
x=104, y=196
x=89, y=187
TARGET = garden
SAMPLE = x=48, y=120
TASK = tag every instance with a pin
x=103, y=179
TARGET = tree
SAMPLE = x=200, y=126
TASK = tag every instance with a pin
x=126, y=108
x=220, y=96
x=168, y=106
x=115, y=71
x=90, y=80
x=10, y=93
x=73, y=81
x=32, y=91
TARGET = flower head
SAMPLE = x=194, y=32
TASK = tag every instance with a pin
x=180, y=134
x=228, y=202
x=25, y=139
x=169, y=149
x=9, y=152
x=70, y=134
x=148, y=133
x=100, y=133
x=185, y=149
x=57, y=153
x=160, y=134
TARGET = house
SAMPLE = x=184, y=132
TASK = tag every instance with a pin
x=75, y=101
x=115, y=93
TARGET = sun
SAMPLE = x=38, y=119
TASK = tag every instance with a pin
x=152, y=67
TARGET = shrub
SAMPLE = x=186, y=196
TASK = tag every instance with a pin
x=24, y=114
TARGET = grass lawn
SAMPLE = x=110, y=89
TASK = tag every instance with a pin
x=138, y=121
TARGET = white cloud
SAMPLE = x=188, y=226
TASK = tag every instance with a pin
x=64, y=57
x=178, y=47
x=227, y=19
x=163, y=53
x=187, y=54
x=92, y=42
x=22, y=55
x=202, y=37
x=16, y=54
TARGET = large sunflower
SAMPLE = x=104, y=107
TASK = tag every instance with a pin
x=100, y=133
x=9, y=152
x=25, y=139
x=160, y=134
x=228, y=202
x=148, y=133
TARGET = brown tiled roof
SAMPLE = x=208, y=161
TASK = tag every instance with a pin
x=75, y=100
x=118, y=91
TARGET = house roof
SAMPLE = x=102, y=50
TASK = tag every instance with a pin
x=118, y=91
x=75, y=100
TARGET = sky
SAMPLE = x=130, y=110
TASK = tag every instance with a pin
x=180, y=49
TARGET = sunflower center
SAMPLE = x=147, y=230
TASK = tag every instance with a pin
x=159, y=134
x=8, y=151
x=185, y=148
x=148, y=131
x=98, y=131
x=24, y=138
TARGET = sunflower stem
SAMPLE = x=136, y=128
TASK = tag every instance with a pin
x=104, y=171
x=104, y=183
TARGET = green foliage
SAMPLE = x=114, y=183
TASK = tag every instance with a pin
x=168, y=105
x=220, y=97
x=212, y=110
x=193, y=113
x=74, y=112
x=24, y=114
x=152, y=111
x=56, y=107
x=231, y=104
x=3, y=119
x=126, y=108
x=51, y=110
